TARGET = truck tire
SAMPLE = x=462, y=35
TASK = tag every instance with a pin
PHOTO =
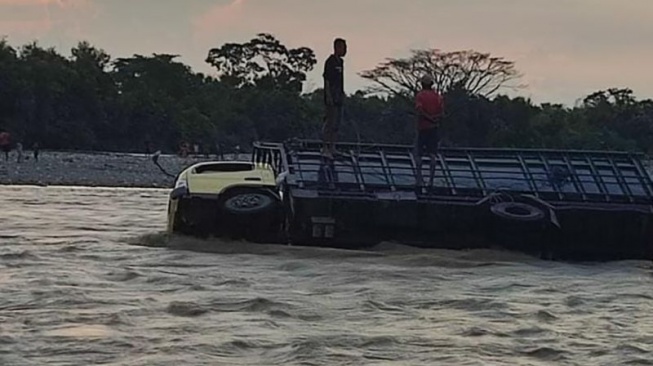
x=517, y=211
x=248, y=201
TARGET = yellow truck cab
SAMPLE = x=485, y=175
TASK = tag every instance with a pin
x=226, y=198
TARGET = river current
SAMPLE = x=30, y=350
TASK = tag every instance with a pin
x=88, y=277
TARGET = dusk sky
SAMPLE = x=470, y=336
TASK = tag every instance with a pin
x=566, y=49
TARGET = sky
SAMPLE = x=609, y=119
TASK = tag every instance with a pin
x=565, y=49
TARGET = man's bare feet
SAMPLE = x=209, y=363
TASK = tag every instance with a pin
x=327, y=153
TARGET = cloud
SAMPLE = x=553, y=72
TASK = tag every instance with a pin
x=37, y=18
x=312, y=24
x=24, y=27
x=562, y=48
x=219, y=17
x=25, y=2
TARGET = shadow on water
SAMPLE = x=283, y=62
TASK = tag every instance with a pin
x=226, y=246
x=386, y=252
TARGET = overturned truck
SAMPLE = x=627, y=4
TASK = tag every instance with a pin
x=562, y=204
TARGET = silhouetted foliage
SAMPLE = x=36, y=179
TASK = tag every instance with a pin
x=475, y=72
x=262, y=62
x=89, y=100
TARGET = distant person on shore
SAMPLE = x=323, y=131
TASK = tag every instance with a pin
x=5, y=143
x=334, y=95
x=236, y=152
x=19, y=152
x=184, y=149
x=218, y=151
x=148, y=146
x=35, y=149
x=429, y=106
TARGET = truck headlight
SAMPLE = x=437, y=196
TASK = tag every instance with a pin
x=180, y=190
x=181, y=182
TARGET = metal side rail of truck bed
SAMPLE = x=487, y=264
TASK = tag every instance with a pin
x=566, y=203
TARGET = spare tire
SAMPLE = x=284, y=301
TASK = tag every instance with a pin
x=517, y=211
x=248, y=202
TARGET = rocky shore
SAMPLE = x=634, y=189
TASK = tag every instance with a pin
x=99, y=169
x=94, y=169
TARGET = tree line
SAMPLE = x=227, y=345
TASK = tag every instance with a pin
x=90, y=101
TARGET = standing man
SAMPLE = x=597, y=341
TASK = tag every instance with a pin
x=5, y=143
x=19, y=152
x=429, y=105
x=35, y=149
x=334, y=95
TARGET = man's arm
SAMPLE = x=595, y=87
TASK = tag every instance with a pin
x=327, y=91
x=419, y=106
x=431, y=118
x=328, y=77
x=441, y=113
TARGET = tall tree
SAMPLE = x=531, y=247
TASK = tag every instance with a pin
x=475, y=72
x=47, y=100
x=156, y=98
x=262, y=62
x=94, y=91
x=619, y=117
x=87, y=100
x=9, y=79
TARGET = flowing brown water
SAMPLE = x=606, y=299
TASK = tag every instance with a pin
x=88, y=278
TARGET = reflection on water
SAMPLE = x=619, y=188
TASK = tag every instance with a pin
x=88, y=277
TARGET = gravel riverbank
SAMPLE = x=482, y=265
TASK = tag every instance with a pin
x=100, y=169
x=94, y=169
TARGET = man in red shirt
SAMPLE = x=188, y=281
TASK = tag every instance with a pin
x=5, y=143
x=430, y=107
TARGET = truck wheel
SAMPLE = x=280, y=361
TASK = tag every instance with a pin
x=248, y=202
x=518, y=211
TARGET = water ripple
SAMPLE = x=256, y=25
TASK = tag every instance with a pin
x=89, y=277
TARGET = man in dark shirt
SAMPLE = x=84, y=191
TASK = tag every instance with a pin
x=334, y=95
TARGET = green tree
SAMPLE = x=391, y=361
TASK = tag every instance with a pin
x=46, y=101
x=93, y=92
x=475, y=72
x=156, y=100
x=262, y=62
x=87, y=100
x=10, y=75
